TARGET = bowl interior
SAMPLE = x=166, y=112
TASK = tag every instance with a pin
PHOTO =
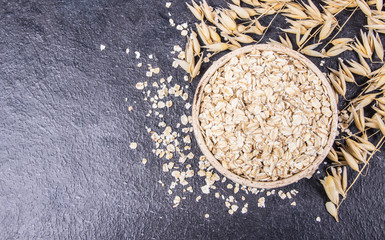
x=217, y=165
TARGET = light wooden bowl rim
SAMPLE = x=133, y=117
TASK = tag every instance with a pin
x=307, y=172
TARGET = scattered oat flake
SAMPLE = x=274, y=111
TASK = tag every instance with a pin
x=133, y=145
x=169, y=103
x=184, y=33
x=179, y=27
x=172, y=23
x=102, y=47
x=130, y=108
x=205, y=189
x=150, y=56
x=140, y=64
x=293, y=204
x=281, y=194
x=168, y=4
x=318, y=219
x=137, y=54
x=184, y=119
x=234, y=207
x=177, y=200
x=144, y=160
x=288, y=195
x=207, y=215
x=177, y=48
x=244, y=209
x=261, y=202
x=156, y=70
x=127, y=50
x=139, y=86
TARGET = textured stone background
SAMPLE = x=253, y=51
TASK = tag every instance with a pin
x=66, y=169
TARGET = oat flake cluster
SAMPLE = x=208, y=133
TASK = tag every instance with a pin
x=265, y=115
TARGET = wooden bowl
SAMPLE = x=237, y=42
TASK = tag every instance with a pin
x=307, y=172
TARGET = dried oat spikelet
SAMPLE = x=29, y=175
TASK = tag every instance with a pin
x=256, y=28
x=195, y=10
x=251, y=11
x=243, y=38
x=357, y=68
x=330, y=189
x=365, y=144
x=378, y=47
x=338, y=85
x=376, y=25
x=227, y=20
x=294, y=28
x=204, y=32
x=364, y=100
x=335, y=6
x=363, y=49
x=337, y=50
x=195, y=43
x=214, y=35
x=234, y=43
x=364, y=7
x=309, y=50
x=349, y=77
x=380, y=123
x=344, y=179
x=197, y=67
x=183, y=64
x=328, y=26
x=350, y=160
x=208, y=11
x=371, y=122
x=301, y=40
x=313, y=11
x=241, y=12
x=376, y=83
x=283, y=42
x=217, y=47
x=355, y=150
x=332, y=155
x=337, y=181
x=343, y=41
x=332, y=210
x=295, y=11
x=357, y=120
x=189, y=51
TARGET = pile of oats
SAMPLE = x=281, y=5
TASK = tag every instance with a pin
x=265, y=115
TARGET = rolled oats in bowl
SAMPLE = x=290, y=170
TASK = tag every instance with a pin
x=264, y=114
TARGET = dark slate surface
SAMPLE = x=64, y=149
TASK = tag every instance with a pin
x=66, y=169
